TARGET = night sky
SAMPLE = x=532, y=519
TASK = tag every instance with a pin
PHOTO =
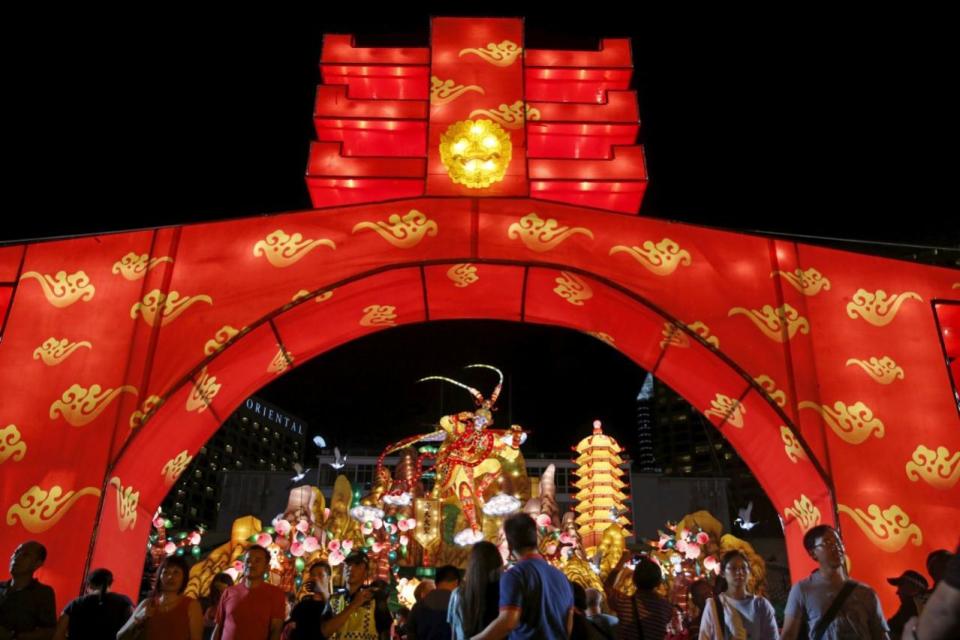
x=824, y=125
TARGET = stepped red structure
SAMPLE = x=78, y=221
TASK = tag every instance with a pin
x=474, y=179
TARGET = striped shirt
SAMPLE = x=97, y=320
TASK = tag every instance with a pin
x=655, y=613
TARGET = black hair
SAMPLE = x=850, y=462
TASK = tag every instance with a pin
x=724, y=561
x=173, y=561
x=256, y=547
x=100, y=579
x=647, y=574
x=811, y=536
x=520, y=531
x=447, y=573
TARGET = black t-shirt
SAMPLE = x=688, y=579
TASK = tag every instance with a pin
x=308, y=616
x=94, y=617
x=952, y=573
x=27, y=609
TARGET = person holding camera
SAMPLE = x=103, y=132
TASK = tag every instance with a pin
x=359, y=612
x=308, y=615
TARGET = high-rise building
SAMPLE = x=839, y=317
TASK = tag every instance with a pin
x=256, y=437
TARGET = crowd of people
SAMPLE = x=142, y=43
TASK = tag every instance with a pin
x=531, y=600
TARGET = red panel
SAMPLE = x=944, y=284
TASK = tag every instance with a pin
x=574, y=85
x=10, y=258
x=455, y=57
x=787, y=478
x=613, y=52
x=375, y=137
x=371, y=82
x=329, y=192
x=174, y=431
x=465, y=290
x=340, y=48
x=54, y=445
x=352, y=311
x=627, y=164
x=605, y=314
x=327, y=162
x=587, y=141
x=333, y=102
x=624, y=197
x=948, y=316
x=621, y=106
x=6, y=293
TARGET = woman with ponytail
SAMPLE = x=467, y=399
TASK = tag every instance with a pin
x=97, y=615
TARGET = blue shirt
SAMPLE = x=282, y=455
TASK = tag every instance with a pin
x=543, y=595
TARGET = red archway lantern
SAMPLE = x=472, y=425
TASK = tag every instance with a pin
x=123, y=353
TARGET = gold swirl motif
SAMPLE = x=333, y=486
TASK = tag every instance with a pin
x=463, y=275
x=804, y=511
x=883, y=370
x=772, y=322
x=809, y=282
x=62, y=290
x=727, y=409
x=661, y=258
x=39, y=510
x=11, y=446
x=791, y=446
x=220, y=339
x=955, y=285
x=572, y=289
x=405, y=232
x=500, y=55
x=175, y=466
x=674, y=337
x=878, y=308
x=169, y=306
x=54, y=351
x=280, y=363
x=446, y=91
x=703, y=331
x=137, y=418
x=378, y=315
x=80, y=407
x=770, y=387
x=939, y=468
x=852, y=424
x=282, y=250
x=888, y=529
x=203, y=392
x=134, y=267
x=127, y=500
x=605, y=337
x=511, y=116
x=542, y=235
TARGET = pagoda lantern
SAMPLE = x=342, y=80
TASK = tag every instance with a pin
x=600, y=497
